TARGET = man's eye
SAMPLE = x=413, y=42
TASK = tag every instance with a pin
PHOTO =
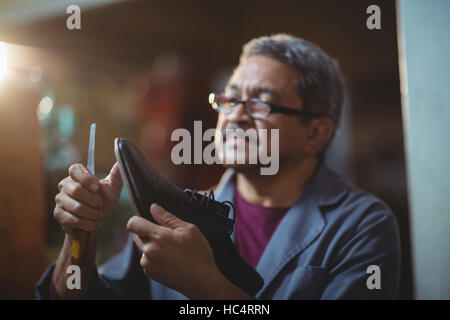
x=265, y=98
x=232, y=100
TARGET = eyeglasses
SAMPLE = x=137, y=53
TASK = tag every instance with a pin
x=255, y=108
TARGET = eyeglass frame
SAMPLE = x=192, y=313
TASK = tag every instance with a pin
x=273, y=107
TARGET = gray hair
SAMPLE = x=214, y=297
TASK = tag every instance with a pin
x=320, y=84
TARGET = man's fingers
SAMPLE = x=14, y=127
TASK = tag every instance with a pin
x=68, y=220
x=146, y=265
x=114, y=178
x=81, y=175
x=77, y=208
x=165, y=218
x=144, y=261
x=149, y=261
x=144, y=228
x=76, y=191
x=140, y=242
x=61, y=184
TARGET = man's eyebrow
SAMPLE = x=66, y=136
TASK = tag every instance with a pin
x=258, y=89
x=233, y=87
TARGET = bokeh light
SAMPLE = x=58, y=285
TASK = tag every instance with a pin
x=45, y=107
x=3, y=60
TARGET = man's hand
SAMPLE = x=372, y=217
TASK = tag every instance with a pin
x=84, y=201
x=176, y=254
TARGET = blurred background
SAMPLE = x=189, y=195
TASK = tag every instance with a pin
x=140, y=69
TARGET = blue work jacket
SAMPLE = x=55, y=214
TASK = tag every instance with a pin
x=336, y=242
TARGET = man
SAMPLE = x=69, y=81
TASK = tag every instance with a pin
x=309, y=233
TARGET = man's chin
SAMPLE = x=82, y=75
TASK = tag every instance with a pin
x=242, y=168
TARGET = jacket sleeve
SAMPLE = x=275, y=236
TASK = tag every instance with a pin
x=119, y=278
x=368, y=264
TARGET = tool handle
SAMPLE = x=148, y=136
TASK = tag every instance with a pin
x=78, y=246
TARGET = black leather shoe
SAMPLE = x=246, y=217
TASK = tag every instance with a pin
x=145, y=186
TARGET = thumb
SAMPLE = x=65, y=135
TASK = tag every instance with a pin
x=114, y=179
x=165, y=218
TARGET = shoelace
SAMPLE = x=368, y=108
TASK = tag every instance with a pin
x=208, y=197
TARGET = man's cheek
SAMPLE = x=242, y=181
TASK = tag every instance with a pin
x=220, y=121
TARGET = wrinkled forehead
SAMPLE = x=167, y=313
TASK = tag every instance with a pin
x=259, y=74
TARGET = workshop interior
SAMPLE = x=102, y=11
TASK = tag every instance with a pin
x=141, y=69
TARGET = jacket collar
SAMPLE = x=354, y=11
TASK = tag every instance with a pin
x=301, y=225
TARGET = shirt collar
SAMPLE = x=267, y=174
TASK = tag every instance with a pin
x=325, y=186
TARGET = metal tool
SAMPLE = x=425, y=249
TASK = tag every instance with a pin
x=80, y=236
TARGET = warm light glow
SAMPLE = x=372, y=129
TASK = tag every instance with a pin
x=45, y=106
x=35, y=74
x=3, y=60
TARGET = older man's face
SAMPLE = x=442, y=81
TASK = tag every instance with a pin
x=275, y=82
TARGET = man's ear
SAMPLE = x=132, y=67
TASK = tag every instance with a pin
x=319, y=131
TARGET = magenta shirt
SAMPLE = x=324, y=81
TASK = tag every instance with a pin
x=254, y=227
